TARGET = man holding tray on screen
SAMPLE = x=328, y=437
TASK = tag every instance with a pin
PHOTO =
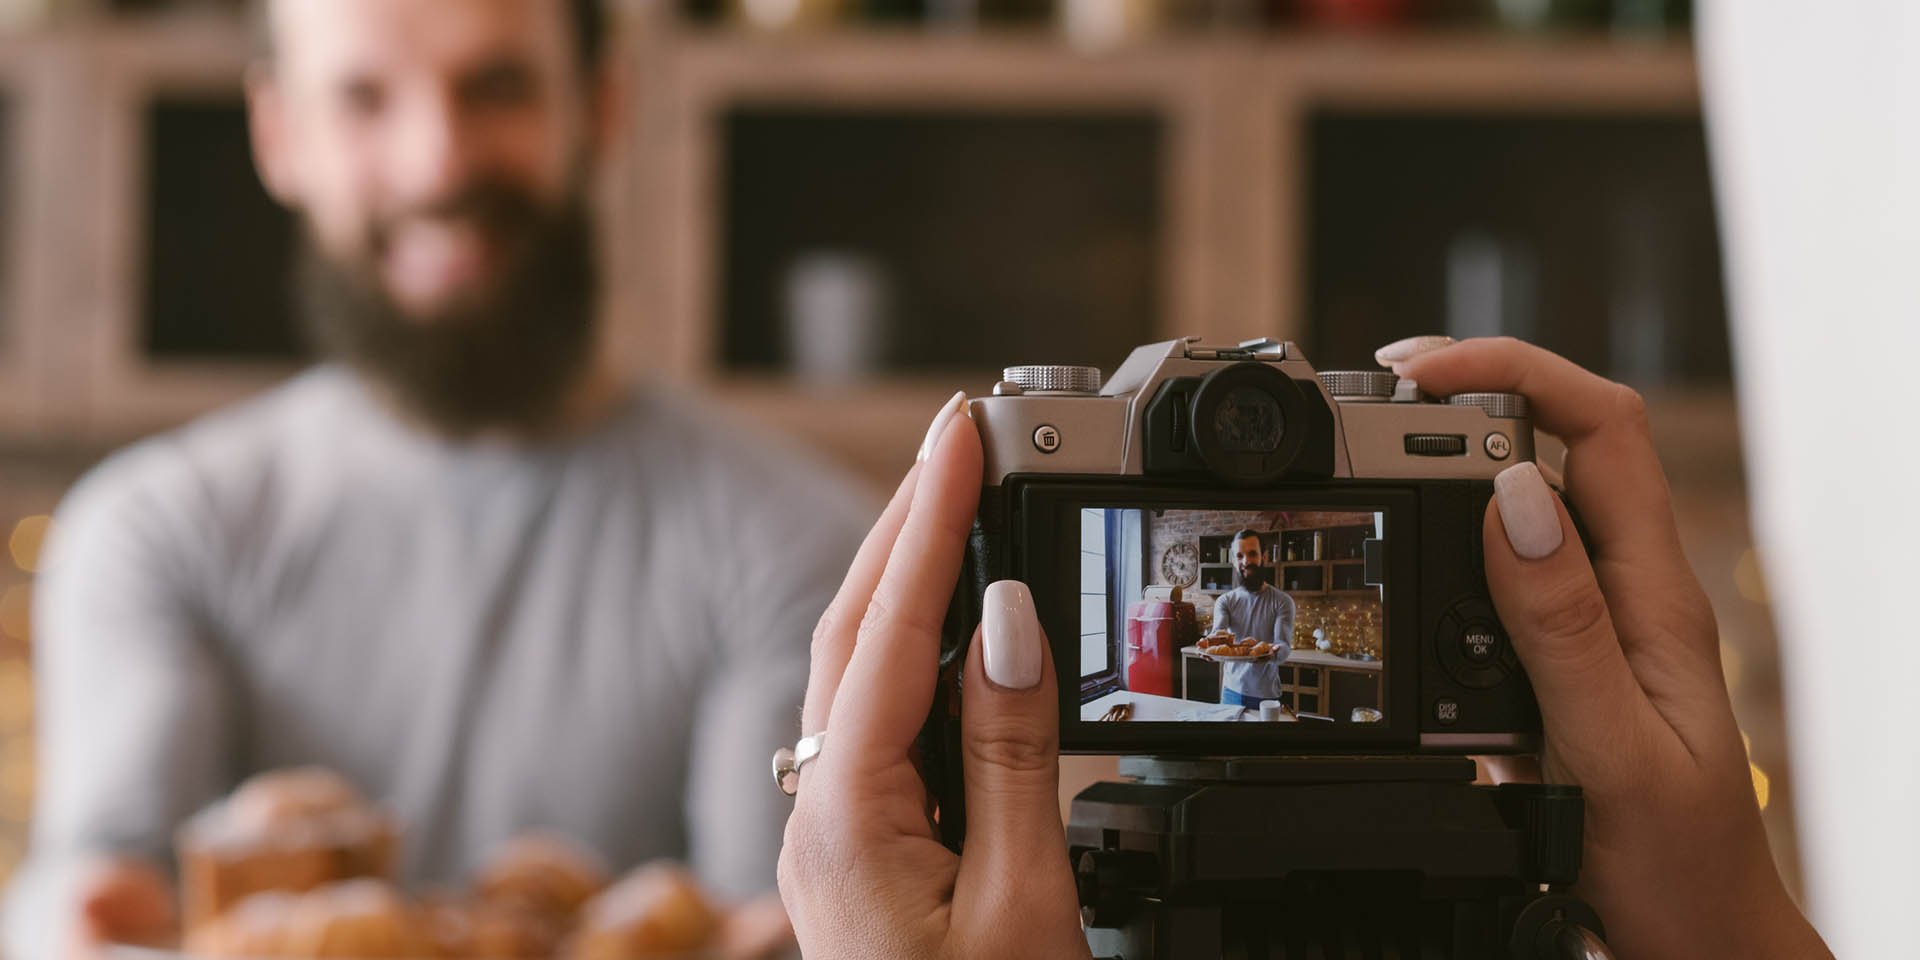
x=1258, y=609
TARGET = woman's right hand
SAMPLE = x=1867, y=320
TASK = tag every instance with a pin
x=1624, y=656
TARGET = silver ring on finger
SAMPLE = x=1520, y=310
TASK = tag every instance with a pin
x=787, y=762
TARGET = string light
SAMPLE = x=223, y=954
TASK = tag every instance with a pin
x=28, y=536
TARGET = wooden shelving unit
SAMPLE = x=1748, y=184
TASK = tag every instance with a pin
x=1233, y=111
x=1234, y=170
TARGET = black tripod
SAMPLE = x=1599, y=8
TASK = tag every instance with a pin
x=1328, y=858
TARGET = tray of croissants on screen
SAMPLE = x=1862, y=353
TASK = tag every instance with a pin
x=297, y=864
x=1221, y=645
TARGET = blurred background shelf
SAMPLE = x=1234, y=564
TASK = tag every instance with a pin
x=1002, y=195
x=1215, y=134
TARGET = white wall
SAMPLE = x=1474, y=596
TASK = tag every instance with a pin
x=1814, y=124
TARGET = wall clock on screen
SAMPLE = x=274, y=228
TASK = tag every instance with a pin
x=1180, y=565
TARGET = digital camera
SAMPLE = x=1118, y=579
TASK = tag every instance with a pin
x=1234, y=555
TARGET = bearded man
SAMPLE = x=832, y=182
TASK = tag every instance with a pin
x=461, y=562
x=1258, y=609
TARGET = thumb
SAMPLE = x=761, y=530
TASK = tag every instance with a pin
x=1552, y=607
x=1010, y=733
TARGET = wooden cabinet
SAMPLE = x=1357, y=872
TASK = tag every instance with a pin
x=1308, y=561
x=1329, y=691
x=1348, y=689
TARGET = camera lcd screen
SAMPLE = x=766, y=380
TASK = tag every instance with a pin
x=1233, y=616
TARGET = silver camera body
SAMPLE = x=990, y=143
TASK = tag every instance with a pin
x=1061, y=420
x=1185, y=436
x=1372, y=499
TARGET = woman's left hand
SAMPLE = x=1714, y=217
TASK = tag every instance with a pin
x=862, y=871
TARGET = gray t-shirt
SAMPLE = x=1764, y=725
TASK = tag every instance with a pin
x=1266, y=615
x=606, y=637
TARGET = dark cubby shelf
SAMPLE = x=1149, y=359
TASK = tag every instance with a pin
x=1591, y=234
x=995, y=237
x=219, y=251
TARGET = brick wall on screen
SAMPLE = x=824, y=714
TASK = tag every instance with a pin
x=1353, y=624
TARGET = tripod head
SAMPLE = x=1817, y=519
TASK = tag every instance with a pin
x=1275, y=858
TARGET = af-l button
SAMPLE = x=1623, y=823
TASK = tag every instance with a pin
x=1046, y=438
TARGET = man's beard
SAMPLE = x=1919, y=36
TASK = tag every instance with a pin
x=505, y=361
x=1253, y=578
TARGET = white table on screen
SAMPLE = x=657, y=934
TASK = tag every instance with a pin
x=1153, y=708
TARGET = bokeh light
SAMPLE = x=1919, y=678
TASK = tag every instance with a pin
x=16, y=612
x=1762, y=785
x=16, y=778
x=16, y=695
x=1748, y=579
x=28, y=536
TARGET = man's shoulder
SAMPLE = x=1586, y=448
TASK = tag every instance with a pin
x=173, y=484
x=223, y=441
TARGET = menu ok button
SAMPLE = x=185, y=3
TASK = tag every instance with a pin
x=1479, y=642
x=1472, y=647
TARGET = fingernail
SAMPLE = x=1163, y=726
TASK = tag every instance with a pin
x=1409, y=348
x=1526, y=510
x=1011, y=634
x=957, y=404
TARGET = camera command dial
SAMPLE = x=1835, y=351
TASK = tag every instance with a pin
x=1359, y=384
x=1053, y=378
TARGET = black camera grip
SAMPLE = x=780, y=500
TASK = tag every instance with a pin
x=939, y=742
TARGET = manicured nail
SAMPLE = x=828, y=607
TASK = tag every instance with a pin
x=1409, y=348
x=1010, y=633
x=1526, y=510
x=957, y=404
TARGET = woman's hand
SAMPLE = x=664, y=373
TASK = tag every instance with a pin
x=861, y=870
x=1625, y=658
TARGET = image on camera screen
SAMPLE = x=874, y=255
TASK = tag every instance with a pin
x=1232, y=616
